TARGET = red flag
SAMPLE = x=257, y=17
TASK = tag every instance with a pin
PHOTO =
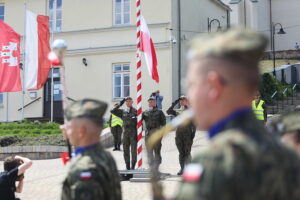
x=37, y=65
x=147, y=47
x=10, y=80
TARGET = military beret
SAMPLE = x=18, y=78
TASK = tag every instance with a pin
x=290, y=122
x=89, y=108
x=238, y=43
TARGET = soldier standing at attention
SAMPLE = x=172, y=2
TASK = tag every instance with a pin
x=184, y=134
x=242, y=162
x=259, y=108
x=93, y=173
x=154, y=119
x=128, y=115
x=116, y=124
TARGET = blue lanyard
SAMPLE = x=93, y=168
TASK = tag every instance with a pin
x=219, y=126
x=81, y=149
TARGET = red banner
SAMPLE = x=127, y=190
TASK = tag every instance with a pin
x=10, y=80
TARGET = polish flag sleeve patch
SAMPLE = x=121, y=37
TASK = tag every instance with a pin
x=192, y=172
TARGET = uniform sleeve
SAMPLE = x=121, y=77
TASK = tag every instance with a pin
x=87, y=190
x=171, y=110
x=162, y=118
x=206, y=178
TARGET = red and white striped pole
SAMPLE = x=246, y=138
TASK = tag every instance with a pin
x=139, y=84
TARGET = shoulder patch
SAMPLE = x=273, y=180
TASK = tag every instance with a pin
x=85, y=175
x=192, y=172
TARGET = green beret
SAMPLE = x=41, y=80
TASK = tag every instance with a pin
x=238, y=43
x=89, y=108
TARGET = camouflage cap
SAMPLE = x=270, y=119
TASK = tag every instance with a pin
x=90, y=108
x=238, y=43
x=290, y=122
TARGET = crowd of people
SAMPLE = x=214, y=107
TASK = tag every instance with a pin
x=243, y=160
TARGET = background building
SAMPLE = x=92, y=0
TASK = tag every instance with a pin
x=261, y=14
x=101, y=37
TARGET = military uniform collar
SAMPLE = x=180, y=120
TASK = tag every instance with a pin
x=219, y=126
x=82, y=149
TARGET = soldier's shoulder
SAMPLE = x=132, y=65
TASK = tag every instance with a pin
x=225, y=148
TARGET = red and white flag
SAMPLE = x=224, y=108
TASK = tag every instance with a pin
x=10, y=80
x=37, y=48
x=147, y=47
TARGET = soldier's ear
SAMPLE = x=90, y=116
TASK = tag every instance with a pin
x=82, y=131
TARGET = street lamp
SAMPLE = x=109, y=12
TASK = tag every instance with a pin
x=209, y=22
x=281, y=31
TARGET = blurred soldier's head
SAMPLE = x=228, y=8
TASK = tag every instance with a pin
x=152, y=102
x=128, y=102
x=289, y=128
x=183, y=101
x=85, y=122
x=223, y=73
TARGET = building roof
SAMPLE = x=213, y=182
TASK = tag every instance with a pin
x=220, y=3
x=238, y=1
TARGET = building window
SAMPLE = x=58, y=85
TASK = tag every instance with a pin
x=55, y=14
x=121, y=80
x=2, y=12
x=1, y=99
x=121, y=12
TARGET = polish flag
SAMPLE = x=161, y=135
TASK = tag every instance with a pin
x=10, y=79
x=147, y=47
x=37, y=48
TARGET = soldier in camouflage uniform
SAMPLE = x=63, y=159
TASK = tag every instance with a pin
x=154, y=119
x=242, y=161
x=184, y=134
x=93, y=173
x=128, y=116
x=288, y=126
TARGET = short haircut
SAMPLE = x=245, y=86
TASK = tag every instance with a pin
x=236, y=70
x=11, y=163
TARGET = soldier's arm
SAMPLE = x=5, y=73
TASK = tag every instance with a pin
x=171, y=110
x=162, y=118
x=206, y=179
x=265, y=111
x=87, y=186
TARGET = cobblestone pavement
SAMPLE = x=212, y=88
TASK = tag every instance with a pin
x=43, y=180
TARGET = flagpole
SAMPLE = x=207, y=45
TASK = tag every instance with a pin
x=6, y=106
x=139, y=84
x=24, y=57
x=52, y=80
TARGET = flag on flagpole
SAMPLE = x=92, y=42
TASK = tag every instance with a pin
x=147, y=47
x=10, y=79
x=37, y=48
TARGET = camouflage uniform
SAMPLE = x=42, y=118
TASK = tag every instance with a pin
x=154, y=119
x=129, y=135
x=242, y=161
x=184, y=137
x=93, y=173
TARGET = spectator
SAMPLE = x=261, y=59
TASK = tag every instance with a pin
x=158, y=99
x=297, y=46
x=14, y=169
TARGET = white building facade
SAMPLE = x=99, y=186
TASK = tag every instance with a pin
x=100, y=61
